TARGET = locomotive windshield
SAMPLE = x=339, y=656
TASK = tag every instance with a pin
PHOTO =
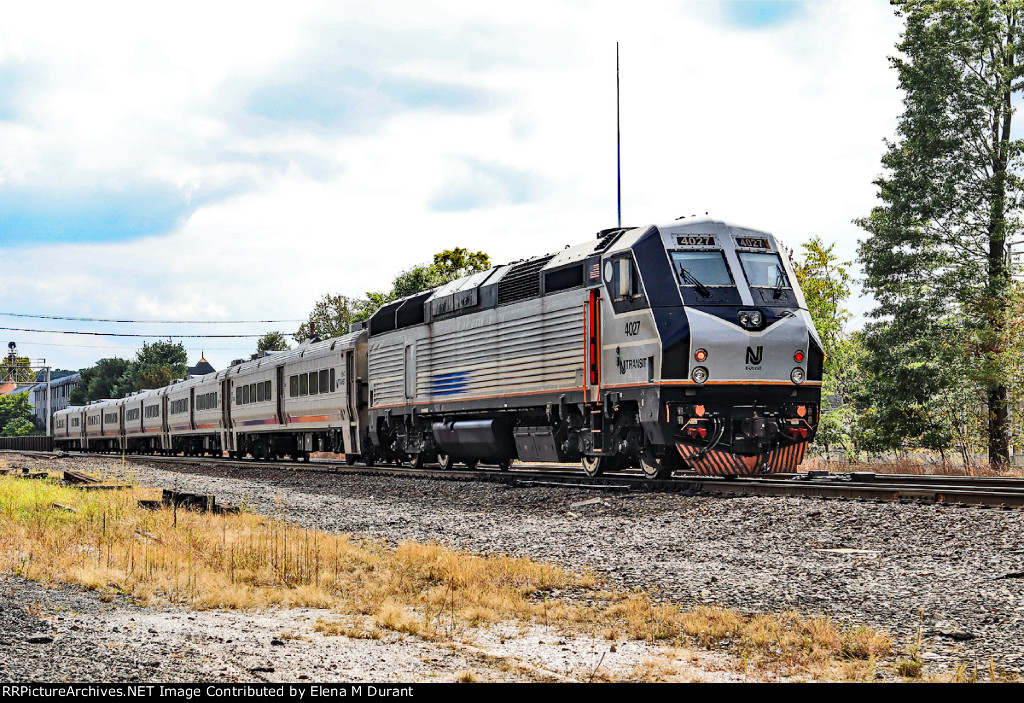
x=764, y=270
x=701, y=268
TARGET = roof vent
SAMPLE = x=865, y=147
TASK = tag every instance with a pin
x=522, y=281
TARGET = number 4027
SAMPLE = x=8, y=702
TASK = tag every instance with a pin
x=632, y=328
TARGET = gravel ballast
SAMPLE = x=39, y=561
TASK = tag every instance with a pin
x=952, y=574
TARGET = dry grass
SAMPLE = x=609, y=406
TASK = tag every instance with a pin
x=245, y=561
x=333, y=628
x=973, y=674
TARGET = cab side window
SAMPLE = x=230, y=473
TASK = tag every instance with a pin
x=627, y=282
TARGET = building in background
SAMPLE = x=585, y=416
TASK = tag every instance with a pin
x=202, y=368
x=60, y=392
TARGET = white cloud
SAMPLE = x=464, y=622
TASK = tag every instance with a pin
x=779, y=128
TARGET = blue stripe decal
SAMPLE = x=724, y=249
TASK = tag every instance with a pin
x=449, y=383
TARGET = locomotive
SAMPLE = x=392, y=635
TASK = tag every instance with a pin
x=685, y=346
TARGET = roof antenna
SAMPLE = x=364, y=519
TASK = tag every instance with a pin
x=618, y=136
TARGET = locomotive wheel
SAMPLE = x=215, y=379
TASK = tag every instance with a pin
x=417, y=460
x=504, y=465
x=594, y=465
x=471, y=463
x=445, y=461
x=351, y=459
x=655, y=468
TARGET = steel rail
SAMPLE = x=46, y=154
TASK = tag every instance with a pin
x=861, y=486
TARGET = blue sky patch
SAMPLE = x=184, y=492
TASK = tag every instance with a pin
x=355, y=101
x=31, y=218
x=14, y=77
x=480, y=184
x=759, y=14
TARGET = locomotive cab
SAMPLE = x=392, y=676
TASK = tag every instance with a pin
x=733, y=362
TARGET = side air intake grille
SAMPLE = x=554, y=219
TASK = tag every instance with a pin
x=522, y=282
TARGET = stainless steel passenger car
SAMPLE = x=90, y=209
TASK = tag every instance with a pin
x=679, y=346
x=307, y=399
x=102, y=426
x=68, y=428
x=143, y=422
x=312, y=398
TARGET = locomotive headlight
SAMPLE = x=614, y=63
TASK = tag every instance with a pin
x=751, y=319
x=699, y=375
x=700, y=354
x=797, y=376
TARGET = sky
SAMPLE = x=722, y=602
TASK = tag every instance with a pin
x=236, y=161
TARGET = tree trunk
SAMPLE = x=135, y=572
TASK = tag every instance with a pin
x=998, y=275
x=998, y=424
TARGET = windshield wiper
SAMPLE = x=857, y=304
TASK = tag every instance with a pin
x=692, y=280
x=780, y=281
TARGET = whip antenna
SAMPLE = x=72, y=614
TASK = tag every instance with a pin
x=618, y=137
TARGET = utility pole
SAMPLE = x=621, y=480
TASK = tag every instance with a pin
x=49, y=414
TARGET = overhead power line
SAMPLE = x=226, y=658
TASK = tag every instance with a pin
x=145, y=322
x=129, y=348
x=125, y=334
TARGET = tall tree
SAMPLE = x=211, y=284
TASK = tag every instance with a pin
x=447, y=265
x=271, y=341
x=458, y=262
x=99, y=381
x=330, y=317
x=937, y=255
x=332, y=314
x=156, y=365
x=825, y=282
x=15, y=415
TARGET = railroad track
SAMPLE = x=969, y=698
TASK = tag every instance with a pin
x=864, y=486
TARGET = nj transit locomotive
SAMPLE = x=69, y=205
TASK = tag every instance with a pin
x=684, y=346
